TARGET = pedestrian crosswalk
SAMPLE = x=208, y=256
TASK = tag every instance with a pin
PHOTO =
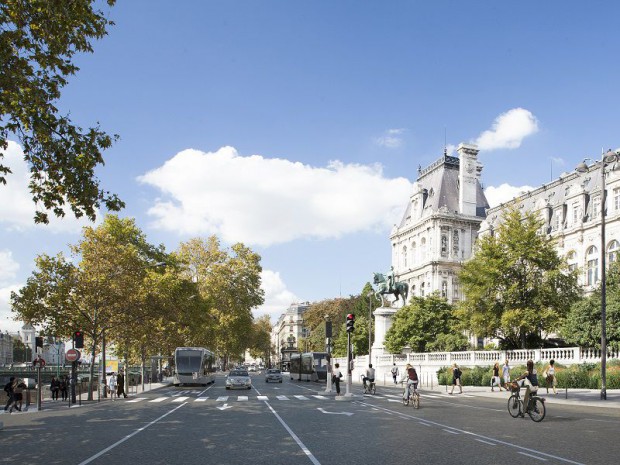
x=190, y=396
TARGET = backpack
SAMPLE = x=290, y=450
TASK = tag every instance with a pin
x=458, y=372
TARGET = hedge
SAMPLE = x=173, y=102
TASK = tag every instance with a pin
x=584, y=376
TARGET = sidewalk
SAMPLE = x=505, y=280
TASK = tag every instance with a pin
x=581, y=397
x=48, y=404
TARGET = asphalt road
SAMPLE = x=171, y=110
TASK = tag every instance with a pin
x=290, y=423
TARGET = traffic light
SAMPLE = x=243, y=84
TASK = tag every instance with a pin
x=78, y=339
x=350, y=322
x=38, y=342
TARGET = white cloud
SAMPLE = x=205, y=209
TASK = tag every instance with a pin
x=265, y=201
x=277, y=297
x=8, y=273
x=508, y=130
x=390, y=138
x=16, y=205
x=504, y=193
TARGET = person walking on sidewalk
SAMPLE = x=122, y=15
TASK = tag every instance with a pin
x=64, y=387
x=8, y=388
x=120, y=381
x=456, y=378
x=495, y=380
x=549, y=375
x=395, y=373
x=506, y=374
x=112, y=385
x=54, y=388
x=336, y=375
x=18, y=389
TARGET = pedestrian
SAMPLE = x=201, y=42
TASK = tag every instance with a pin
x=54, y=388
x=456, y=378
x=18, y=389
x=336, y=376
x=495, y=380
x=8, y=388
x=120, y=381
x=506, y=374
x=549, y=375
x=395, y=373
x=64, y=387
x=112, y=385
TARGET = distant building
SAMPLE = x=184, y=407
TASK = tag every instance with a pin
x=287, y=332
x=6, y=349
x=440, y=225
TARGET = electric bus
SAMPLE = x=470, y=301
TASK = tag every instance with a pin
x=193, y=365
x=309, y=366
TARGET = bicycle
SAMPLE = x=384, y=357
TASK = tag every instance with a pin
x=414, y=396
x=370, y=387
x=536, y=410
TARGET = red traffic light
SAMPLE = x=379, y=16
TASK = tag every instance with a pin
x=350, y=317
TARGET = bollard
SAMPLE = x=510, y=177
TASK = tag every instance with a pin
x=566, y=393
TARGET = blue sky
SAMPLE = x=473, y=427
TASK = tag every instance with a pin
x=298, y=127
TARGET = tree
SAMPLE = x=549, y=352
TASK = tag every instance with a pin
x=229, y=280
x=260, y=346
x=582, y=325
x=38, y=40
x=516, y=286
x=426, y=324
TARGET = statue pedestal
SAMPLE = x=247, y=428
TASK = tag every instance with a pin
x=383, y=322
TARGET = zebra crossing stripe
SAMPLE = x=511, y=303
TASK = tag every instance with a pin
x=242, y=398
x=137, y=399
x=262, y=398
x=181, y=399
x=301, y=397
x=282, y=398
x=159, y=399
x=320, y=397
x=222, y=399
x=201, y=399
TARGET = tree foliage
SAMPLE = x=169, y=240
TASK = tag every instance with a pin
x=426, y=324
x=38, y=41
x=582, y=325
x=516, y=286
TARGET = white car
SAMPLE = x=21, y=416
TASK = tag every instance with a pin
x=238, y=379
x=273, y=375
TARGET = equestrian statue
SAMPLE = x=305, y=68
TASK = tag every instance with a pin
x=388, y=285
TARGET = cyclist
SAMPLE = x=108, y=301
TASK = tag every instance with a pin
x=530, y=379
x=412, y=380
x=370, y=375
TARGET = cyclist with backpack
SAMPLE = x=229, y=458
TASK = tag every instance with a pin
x=411, y=376
x=370, y=375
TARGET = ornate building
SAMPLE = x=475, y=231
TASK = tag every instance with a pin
x=571, y=209
x=286, y=333
x=440, y=225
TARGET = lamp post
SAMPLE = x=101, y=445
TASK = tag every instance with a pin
x=608, y=158
x=328, y=349
x=369, y=295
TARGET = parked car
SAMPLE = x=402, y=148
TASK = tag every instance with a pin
x=273, y=375
x=238, y=379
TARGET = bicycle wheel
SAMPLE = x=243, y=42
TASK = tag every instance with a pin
x=373, y=389
x=514, y=406
x=416, y=400
x=405, y=399
x=537, y=411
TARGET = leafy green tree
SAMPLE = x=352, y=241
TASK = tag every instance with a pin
x=516, y=286
x=426, y=324
x=582, y=325
x=261, y=338
x=38, y=41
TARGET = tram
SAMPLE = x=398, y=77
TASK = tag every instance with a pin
x=193, y=365
x=309, y=366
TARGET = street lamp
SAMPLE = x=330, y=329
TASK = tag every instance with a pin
x=369, y=295
x=607, y=159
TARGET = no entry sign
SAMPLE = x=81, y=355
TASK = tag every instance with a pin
x=72, y=355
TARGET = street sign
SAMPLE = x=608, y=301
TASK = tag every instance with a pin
x=38, y=361
x=72, y=355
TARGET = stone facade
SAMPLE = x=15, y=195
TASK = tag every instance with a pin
x=440, y=225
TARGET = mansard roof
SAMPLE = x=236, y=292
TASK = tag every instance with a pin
x=440, y=180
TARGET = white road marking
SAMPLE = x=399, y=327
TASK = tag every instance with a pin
x=181, y=399
x=450, y=431
x=242, y=398
x=486, y=442
x=224, y=407
x=335, y=413
x=301, y=397
x=282, y=398
x=201, y=399
x=222, y=399
x=262, y=398
x=159, y=399
x=533, y=456
x=137, y=399
x=129, y=436
x=320, y=397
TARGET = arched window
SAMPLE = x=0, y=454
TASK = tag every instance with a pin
x=592, y=266
x=444, y=245
x=413, y=252
x=422, y=289
x=405, y=256
x=613, y=249
x=423, y=249
x=444, y=289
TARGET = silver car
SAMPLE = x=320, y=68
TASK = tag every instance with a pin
x=273, y=375
x=238, y=379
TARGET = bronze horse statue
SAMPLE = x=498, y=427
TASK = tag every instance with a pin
x=399, y=289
